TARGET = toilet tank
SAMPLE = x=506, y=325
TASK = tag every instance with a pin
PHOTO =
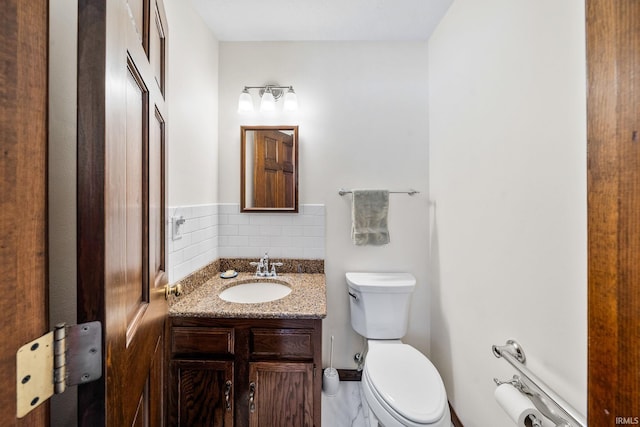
x=379, y=303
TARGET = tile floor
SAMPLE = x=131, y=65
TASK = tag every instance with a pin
x=345, y=409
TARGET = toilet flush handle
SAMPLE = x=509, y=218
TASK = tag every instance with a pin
x=352, y=295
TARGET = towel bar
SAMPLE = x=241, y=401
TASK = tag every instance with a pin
x=410, y=192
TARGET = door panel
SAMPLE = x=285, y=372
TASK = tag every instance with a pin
x=283, y=394
x=157, y=375
x=156, y=200
x=157, y=48
x=139, y=10
x=121, y=137
x=203, y=392
x=288, y=167
x=134, y=147
x=23, y=193
x=140, y=418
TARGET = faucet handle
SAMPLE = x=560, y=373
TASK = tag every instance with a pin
x=273, y=268
x=259, y=266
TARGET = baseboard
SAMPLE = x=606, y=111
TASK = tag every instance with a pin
x=349, y=375
x=454, y=417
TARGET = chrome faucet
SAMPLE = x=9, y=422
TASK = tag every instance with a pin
x=262, y=267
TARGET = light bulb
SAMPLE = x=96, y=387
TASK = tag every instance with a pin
x=245, y=102
x=290, y=101
x=268, y=102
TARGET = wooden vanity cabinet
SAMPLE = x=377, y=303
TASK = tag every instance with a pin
x=245, y=372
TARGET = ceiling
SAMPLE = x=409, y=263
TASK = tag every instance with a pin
x=322, y=20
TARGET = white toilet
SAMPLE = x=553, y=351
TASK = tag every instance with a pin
x=401, y=386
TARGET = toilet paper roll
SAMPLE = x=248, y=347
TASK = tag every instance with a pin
x=517, y=406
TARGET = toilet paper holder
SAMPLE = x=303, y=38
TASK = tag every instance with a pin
x=511, y=399
x=550, y=404
x=516, y=383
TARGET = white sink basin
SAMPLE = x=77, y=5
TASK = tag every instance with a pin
x=255, y=292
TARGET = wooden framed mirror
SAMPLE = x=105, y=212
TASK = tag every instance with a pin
x=269, y=169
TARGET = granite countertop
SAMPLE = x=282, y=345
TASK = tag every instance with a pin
x=307, y=300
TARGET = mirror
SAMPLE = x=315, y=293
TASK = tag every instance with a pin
x=269, y=169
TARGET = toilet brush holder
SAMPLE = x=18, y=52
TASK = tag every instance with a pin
x=330, y=377
x=330, y=381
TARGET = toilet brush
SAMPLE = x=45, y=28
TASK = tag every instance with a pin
x=330, y=378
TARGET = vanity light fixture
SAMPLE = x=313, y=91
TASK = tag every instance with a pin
x=269, y=95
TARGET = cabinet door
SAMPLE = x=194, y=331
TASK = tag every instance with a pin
x=203, y=393
x=280, y=394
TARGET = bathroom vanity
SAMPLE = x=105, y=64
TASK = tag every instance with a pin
x=247, y=364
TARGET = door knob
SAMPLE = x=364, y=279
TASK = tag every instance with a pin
x=172, y=290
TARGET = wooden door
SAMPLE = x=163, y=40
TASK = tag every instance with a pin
x=613, y=144
x=23, y=192
x=274, y=179
x=121, y=175
x=282, y=394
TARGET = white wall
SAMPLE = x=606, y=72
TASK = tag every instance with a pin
x=193, y=138
x=192, y=91
x=508, y=179
x=363, y=123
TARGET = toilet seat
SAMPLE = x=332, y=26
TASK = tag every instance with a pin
x=405, y=383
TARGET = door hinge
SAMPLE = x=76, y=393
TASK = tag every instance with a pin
x=67, y=356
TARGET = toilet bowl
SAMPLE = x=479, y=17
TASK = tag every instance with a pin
x=400, y=385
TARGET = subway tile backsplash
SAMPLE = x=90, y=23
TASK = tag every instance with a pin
x=198, y=245
x=221, y=231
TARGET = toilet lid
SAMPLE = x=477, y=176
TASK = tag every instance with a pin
x=407, y=381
